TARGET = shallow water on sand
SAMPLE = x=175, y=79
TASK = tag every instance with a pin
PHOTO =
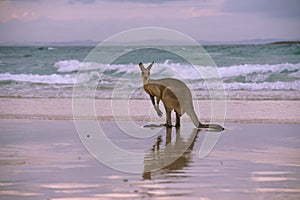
x=46, y=160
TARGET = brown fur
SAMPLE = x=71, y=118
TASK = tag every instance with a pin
x=175, y=95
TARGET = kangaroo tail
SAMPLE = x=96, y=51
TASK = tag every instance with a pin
x=198, y=124
x=212, y=126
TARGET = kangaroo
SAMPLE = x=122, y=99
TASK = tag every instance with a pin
x=175, y=95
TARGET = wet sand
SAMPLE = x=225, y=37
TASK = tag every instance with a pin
x=262, y=111
x=45, y=159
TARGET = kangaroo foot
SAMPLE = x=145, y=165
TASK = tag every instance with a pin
x=167, y=125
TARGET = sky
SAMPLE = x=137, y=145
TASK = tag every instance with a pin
x=203, y=20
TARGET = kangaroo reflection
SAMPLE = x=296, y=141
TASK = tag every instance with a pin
x=173, y=156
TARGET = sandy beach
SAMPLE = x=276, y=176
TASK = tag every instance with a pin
x=262, y=111
x=76, y=82
x=42, y=156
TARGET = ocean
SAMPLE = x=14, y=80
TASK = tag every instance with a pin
x=249, y=72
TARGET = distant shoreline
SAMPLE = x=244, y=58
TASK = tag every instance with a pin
x=286, y=42
x=90, y=43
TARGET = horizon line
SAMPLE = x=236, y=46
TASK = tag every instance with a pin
x=95, y=43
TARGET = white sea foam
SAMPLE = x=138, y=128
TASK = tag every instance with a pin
x=295, y=74
x=251, y=72
x=51, y=48
x=247, y=69
x=282, y=86
x=68, y=65
x=254, y=76
x=34, y=78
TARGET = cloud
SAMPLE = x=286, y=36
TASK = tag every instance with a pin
x=149, y=1
x=66, y=20
x=270, y=8
x=23, y=1
x=82, y=1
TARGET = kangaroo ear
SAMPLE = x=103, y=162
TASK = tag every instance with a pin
x=141, y=66
x=149, y=67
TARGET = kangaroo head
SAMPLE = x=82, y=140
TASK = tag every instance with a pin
x=145, y=72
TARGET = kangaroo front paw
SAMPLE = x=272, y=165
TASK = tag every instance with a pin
x=159, y=113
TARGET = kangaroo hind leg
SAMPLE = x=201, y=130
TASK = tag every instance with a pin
x=168, y=115
x=177, y=119
x=168, y=118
